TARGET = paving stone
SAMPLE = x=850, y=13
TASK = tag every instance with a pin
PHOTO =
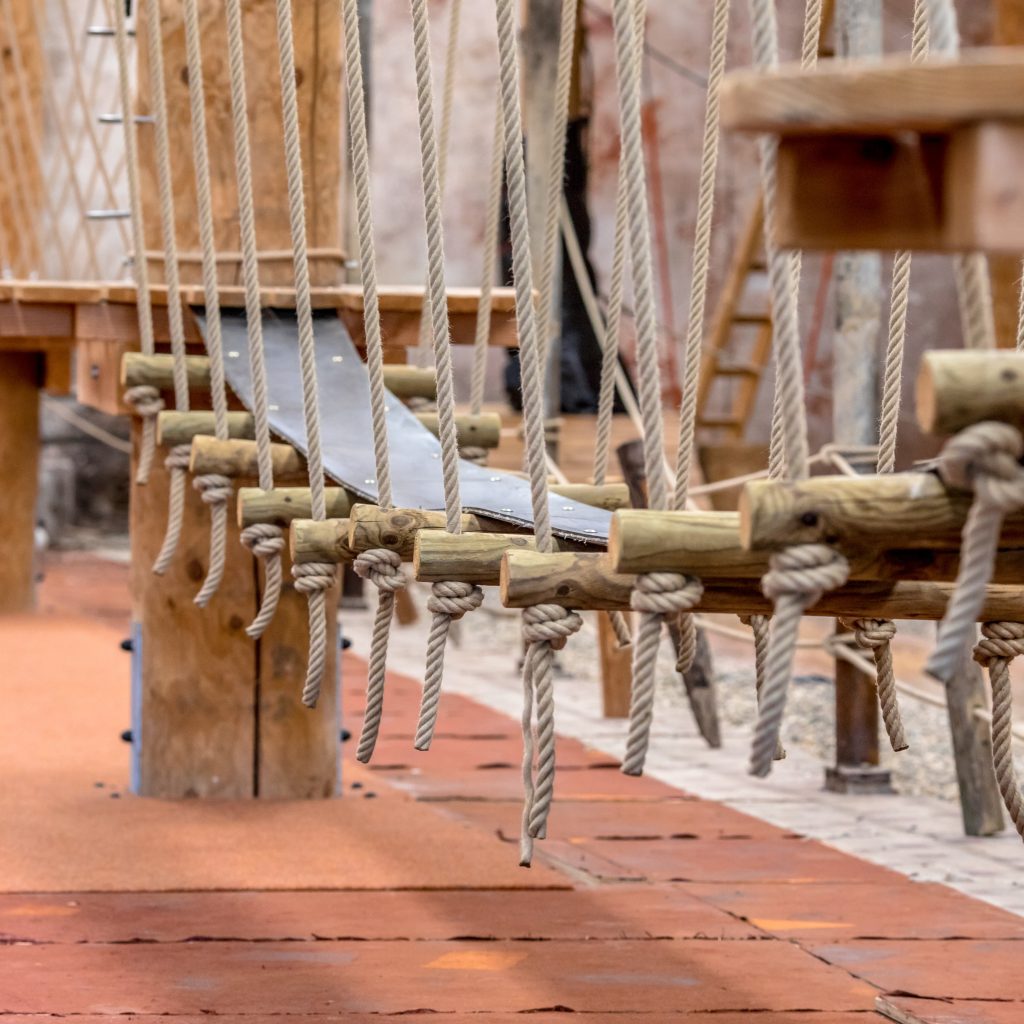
x=905, y=1010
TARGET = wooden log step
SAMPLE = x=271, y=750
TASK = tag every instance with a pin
x=326, y=540
x=908, y=510
x=158, y=371
x=283, y=504
x=181, y=427
x=481, y=431
x=469, y=557
x=958, y=388
x=396, y=528
x=585, y=581
x=237, y=458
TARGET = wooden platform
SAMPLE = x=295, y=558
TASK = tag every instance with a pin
x=646, y=905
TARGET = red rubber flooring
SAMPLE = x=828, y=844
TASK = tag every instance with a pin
x=645, y=905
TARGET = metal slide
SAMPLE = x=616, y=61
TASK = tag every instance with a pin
x=347, y=434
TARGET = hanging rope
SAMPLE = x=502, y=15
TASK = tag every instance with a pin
x=380, y=566
x=264, y=540
x=545, y=627
x=145, y=400
x=214, y=488
x=798, y=576
x=1000, y=643
x=313, y=579
x=178, y=459
x=448, y=601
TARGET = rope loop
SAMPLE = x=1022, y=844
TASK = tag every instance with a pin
x=876, y=635
x=999, y=640
x=665, y=593
x=214, y=488
x=551, y=623
x=145, y=400
x=984, y=457
x=314, y=577
x=264, y=540
x=454, y=599
x=805, y=573
x=179, y=457
x=382, y=567
x=873, y=634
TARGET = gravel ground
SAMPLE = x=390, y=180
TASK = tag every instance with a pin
x=925, y=769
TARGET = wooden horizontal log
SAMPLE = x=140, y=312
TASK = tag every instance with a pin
x=395, y=528
x=585, y=581
x=158, y=371
x=181, y=427
x=707, y=544
x=906, y=510
x=958, y=388
x=237, y=458
x=326, y=540
x=480, y=431
x=283, y=504
x=886, y=95
x=469, y=557
x=607, y=496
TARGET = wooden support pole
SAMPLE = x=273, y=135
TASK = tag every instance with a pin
x=283, y=504
x=585, y=580
x=915, y=510
x=19, y=471
x=958, y=388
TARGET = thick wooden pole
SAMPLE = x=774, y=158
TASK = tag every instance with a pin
x=855, y=422
x=19, y=471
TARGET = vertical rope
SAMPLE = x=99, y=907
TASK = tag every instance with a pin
x=382, y=567
x=448, y=600
x=178, y=458
x=264, y=540
x=313, y=579
x=215, y=489
x=146, y=401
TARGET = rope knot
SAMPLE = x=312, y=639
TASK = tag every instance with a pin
x=454, y=599
x=382, y=567
x=665, y=593
x=550, y=622
x=144, y=399
x=263, y=539
x=999, y=640
x=213, y=488
x=805, y=571
x=984, y=457
x=873, y=634
x=178, y=457
x=314, y=577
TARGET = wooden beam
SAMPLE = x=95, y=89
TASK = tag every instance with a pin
x=283, y=504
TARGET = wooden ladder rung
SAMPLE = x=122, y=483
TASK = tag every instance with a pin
x=724, y=422
x=737, y=371
x=751, y=318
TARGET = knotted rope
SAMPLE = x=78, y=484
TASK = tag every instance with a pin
x=875, y=635
x=315, y=579
x=796, y=580
x=760, y=626
x=983, y=457
x=145, y=401
x=383, y=568
x=264, y=540
x=1000, y=643
x=379, y=565
x=546, y=628
x=215, y=490
x=449, y=601
x=176, y=463
x=656, y=595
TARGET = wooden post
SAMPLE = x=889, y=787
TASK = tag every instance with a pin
x=1008, y=30
x=216, y=714
x=19, y=471
x=855, y=421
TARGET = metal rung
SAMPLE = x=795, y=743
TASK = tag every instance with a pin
x=118, y=119
x=106, y=31
x=108, y=214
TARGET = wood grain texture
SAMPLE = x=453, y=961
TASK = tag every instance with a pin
x=909, y=510
x=469, y=557
x=237, y=458
x=174, y=427
x=283, y=504
x=580, y=580
x=958, y=388
x=886, y=95
x=19, y=475
x=395, y=529
x=317, y=35
x=311, y=540
x=616, y=669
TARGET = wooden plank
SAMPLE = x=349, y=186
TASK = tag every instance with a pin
x=97, y=373
x=886, y=95
x=317, y=34
x=616, y=669
x=19, y=474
